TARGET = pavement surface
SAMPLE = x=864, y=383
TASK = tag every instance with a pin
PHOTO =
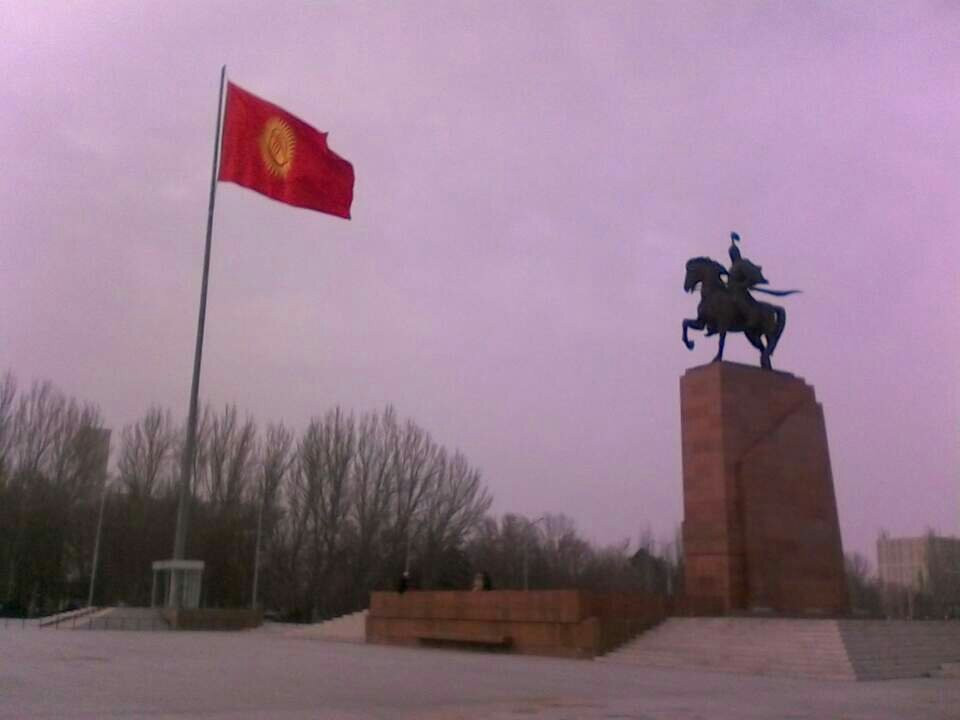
x=266, y=673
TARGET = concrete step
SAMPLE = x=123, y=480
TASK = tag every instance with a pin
x=739, y=660
x=811, y=670
x=734, y=657
x=735, y=662
x=346, y=628
x=809, y=648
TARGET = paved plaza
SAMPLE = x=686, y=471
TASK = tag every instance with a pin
x=269, y=673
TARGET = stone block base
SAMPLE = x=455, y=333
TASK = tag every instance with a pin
x=760, y=526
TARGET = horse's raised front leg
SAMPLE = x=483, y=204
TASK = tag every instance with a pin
x=696, y=325
x=723, y=339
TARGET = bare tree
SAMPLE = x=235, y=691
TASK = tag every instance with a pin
x=324, y=458
x=35, y=424
x=54, y=452
x=558, y=557
x=146, y=462
x=81, y=455
x=276, y=461
x=8, y=395
x=372, y=495
x=230, y=460
x=10, y=494
x=338, y=511
x=288, y=547
x=453, y=508
x=225, y=526
x=415, y=469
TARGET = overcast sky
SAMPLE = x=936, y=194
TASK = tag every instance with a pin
x=531, y=178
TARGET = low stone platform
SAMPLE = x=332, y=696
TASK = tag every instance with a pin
x=213, y=618
x=123, y=618
x=825, y=649
x=154, y=618
x=564, y=623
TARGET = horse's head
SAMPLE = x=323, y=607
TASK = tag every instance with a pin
x=702, y=270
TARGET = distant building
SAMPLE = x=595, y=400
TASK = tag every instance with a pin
x=928, y=565
x=93, y=447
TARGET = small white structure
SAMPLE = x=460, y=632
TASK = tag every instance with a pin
x=181, y=586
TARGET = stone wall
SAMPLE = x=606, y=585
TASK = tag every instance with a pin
x=568, y=623
x=213, y=618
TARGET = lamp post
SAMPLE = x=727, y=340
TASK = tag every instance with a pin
x=256, y=553
x=96, y=543
x=526, y=548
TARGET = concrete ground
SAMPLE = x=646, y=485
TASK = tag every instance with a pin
x=266, y=673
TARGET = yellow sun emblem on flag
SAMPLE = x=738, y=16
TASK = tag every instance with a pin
x=277, y=146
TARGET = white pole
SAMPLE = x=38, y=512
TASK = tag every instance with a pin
x=256, y=553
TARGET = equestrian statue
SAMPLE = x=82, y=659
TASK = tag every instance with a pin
x=727, y=305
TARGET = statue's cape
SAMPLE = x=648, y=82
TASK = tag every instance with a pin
x=778, y=293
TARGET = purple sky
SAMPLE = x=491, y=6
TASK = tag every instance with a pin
x=530, y=180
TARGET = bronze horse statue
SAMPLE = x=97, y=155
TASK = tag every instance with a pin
x=721, y=310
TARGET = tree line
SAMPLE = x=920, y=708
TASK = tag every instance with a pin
x=341, y=508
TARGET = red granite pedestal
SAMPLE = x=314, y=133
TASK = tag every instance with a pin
x=760, y=529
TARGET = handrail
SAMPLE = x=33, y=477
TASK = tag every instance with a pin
x=57, y=618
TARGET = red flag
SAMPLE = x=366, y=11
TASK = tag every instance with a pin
x=269, y=150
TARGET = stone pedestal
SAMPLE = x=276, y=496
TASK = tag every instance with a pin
x=760, y=529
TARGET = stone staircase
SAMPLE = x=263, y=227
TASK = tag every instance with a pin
x=881, y=650
x=826, y=649
x=346, y=628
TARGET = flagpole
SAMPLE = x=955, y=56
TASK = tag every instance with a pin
x=190, y=443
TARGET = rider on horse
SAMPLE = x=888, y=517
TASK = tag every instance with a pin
x=742, y=276
x=727, y=307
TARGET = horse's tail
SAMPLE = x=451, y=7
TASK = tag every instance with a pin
x=780, y=316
